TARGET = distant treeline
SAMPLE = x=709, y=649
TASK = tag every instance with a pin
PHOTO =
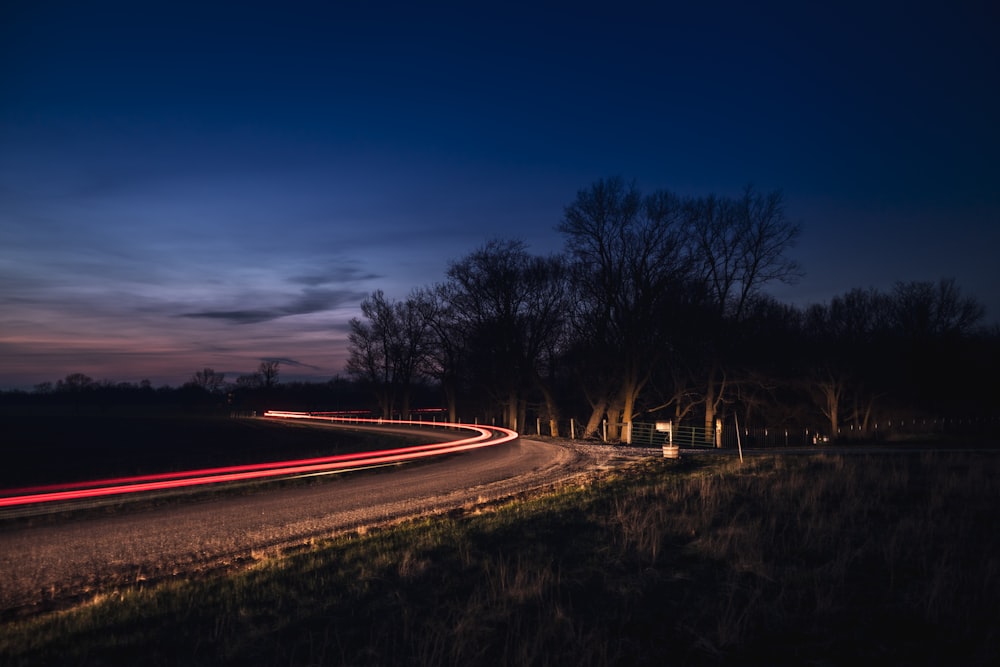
x=78, y=392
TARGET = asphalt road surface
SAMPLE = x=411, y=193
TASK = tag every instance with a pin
x=52, y=564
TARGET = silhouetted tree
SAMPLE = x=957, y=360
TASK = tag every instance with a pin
x=844, y=359
x=208, y=380
x=932, y=324
x=249, y=381
x=739, y=246
x=884, y=353
x=925, y=310
x=75, y=382
x=387, y=349
x=268, y=372
x=510, y=306
x=447, y=348
x=628, y=259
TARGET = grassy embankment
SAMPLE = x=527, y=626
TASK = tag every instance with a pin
x=827, y=559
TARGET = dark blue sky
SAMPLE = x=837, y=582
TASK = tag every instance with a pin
x=212, y=184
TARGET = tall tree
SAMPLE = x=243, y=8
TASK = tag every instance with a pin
x=628, y=259
x=923, y=310
x=208, y=380
x=446, y=344
x=410, y=347
x=510, y=306
x=740, y=245
x=932, y=324
x=386, y=349
x=268, y=371
x=77, y=382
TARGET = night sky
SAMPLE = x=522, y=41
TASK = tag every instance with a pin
x=186, y=185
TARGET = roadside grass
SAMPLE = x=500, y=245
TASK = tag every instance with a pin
x=785, y=560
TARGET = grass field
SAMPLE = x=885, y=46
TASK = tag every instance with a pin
x=822, y=560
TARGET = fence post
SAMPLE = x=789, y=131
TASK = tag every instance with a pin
x=670, y=450
x=739, y=444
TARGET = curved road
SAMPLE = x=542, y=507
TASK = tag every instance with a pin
x=50, y=565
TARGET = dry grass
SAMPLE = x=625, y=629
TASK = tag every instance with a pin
x=823, y=560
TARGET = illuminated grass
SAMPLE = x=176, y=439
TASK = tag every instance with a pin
x=824, y=560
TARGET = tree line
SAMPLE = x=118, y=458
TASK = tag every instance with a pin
x=656, y=309
x=207, y=391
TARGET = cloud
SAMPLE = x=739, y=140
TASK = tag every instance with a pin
x=285, y=361
x=310, y=301
x=343, y=274
x=236, y=316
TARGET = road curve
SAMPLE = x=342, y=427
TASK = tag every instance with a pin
x=51, y=565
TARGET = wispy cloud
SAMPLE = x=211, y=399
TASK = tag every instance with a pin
x=285, y=361
x=310, y=301
x=340, y=274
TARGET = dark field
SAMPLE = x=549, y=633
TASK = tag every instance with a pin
x=889, y=559
x=66, y=448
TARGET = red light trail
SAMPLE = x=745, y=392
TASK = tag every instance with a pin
x=485, y=436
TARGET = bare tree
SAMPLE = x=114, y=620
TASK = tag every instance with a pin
x=268, y=372
x=927, y=310
x=510, y=306
x=740, y=245
x=847, y=338
x=410, y=349
x=387, y=349
x=445, y=352
x=249, y=381
x=370, y=350
x=628, y=259
x=208, y=380
x=75, y=382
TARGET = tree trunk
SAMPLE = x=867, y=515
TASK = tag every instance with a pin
x=714, y=394
x=385, y=402
x=512, y=410
x=830, y=391
x=614, y=413
x=594, y=422
x=710, y=410
x=405, y=410
x=632, y=384
x=831, y=395
x=450, y=401
x=862, y=417
x=628, y=404
x=551, y=408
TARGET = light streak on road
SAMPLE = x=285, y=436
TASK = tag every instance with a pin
x=484, y=436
